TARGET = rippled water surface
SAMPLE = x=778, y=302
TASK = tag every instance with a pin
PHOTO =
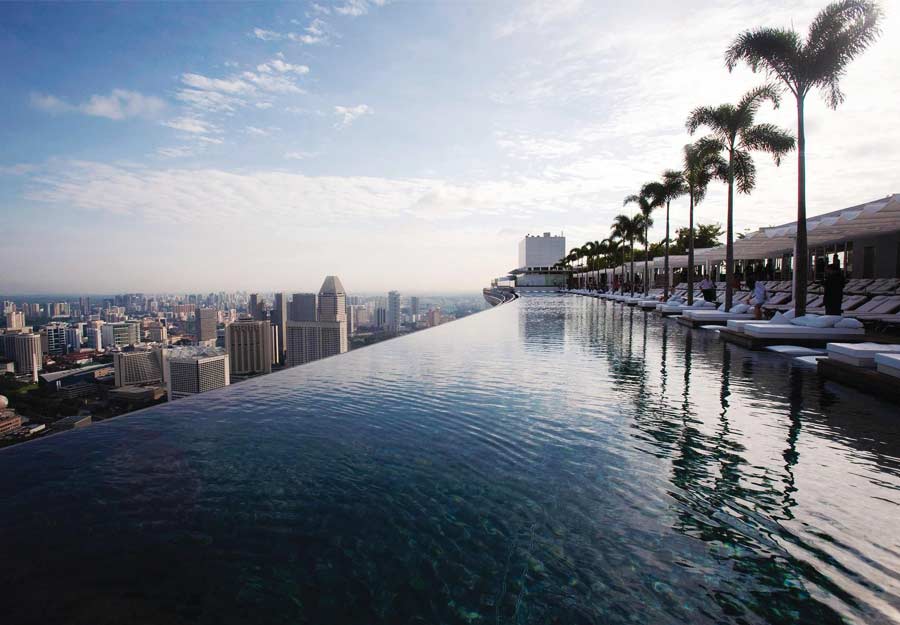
x=553, y=460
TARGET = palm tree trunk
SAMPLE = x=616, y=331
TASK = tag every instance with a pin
x=632, y=267
x=646, y=261
x=666, y=261
x=729, y=235
x=801, y=252
x=690, y=273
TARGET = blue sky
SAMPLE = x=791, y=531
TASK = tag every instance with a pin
x=402, y=145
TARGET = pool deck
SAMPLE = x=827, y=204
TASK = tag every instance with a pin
x=866, y=380
x=699, y=323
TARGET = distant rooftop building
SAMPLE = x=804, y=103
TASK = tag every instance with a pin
x=143, y=366
x=56, y=338
x=193, y=370
x=393, y=312
x=304, y=307
x=206, y=321
x=28, y=355
x=120, y=334
x=312, y=340
x=15, y=320
x=249, y=344
x=541, y=251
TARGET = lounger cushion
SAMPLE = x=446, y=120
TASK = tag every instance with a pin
x=849, y=323
x=721, y=308
x=790, y=314
x=740, y=308
x=816, y=321
x=780, y=318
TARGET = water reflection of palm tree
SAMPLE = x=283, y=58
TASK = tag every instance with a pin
x=791, y=455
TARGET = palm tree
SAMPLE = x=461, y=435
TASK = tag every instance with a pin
x=628, y=229
x=671, y=187
x=735, y=134
x=702, y=162
x=646, y=203
x=613, y=243
x=840, y=32
x=588, y=252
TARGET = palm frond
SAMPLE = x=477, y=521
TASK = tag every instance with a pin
x=768, y=138
x=744, y=171
x=773, y=50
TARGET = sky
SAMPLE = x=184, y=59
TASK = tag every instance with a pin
x=399, y=145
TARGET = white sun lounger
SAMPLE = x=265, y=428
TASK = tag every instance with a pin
x=888, y=364
x=860, y=354
x=790, y=331
x=704, y=314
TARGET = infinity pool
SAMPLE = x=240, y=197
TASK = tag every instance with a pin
x=552, y=460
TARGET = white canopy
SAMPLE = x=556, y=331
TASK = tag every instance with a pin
x=869, y=219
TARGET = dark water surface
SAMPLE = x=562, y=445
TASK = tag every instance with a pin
x=553, y=460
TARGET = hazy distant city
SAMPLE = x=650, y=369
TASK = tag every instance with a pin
x=68, y=361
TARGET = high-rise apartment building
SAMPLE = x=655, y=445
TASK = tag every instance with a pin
x=434, y=317
x=279, y=323
x=120, y=334
x=73, y=338
x=94, y=338
x=304, y=307
x=207, y=320
x=193, y=370
x=414, y=308
x=393, y=312
x=15, y=320
x=380, y=317
x=157, y=333
x=312, y=340
x=249, y=344
x=29, y=355
x=56, y=338
x=143, y=366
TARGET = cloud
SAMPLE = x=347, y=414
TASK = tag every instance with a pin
x=49, y=103
x=279, y=66
x=349, y=114
x=355, y=8
x=233, y=85
x=119, y=104
x=193, y=125
x=267, y=35
x=525, y=146
x=180, y=151
x=313, y=33
x=263, y=105
x=259, y=132
x=299, y=155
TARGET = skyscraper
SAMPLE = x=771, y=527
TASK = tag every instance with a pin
x=279, y=321
x=207, y=320
x=249, y=345
x=73, y=338
x=29, y=355
x=193, y=370
x=414, y=308
x=15, y=320
x=393, y=313
x=56, y=338
x=120, y=334
x=304, y=307
x=255, y=307
x=312, y=340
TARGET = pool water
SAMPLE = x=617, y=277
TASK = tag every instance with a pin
x=557, y=459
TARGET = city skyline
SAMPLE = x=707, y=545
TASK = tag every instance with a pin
x=395, y=144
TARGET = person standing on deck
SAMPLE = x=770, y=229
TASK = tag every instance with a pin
x=760, y=296
x=834, y=287
x=708, y=288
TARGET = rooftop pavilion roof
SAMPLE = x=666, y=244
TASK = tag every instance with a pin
x=873, y=218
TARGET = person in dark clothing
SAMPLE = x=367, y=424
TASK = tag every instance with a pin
x=834, y=288
x=820, y=267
